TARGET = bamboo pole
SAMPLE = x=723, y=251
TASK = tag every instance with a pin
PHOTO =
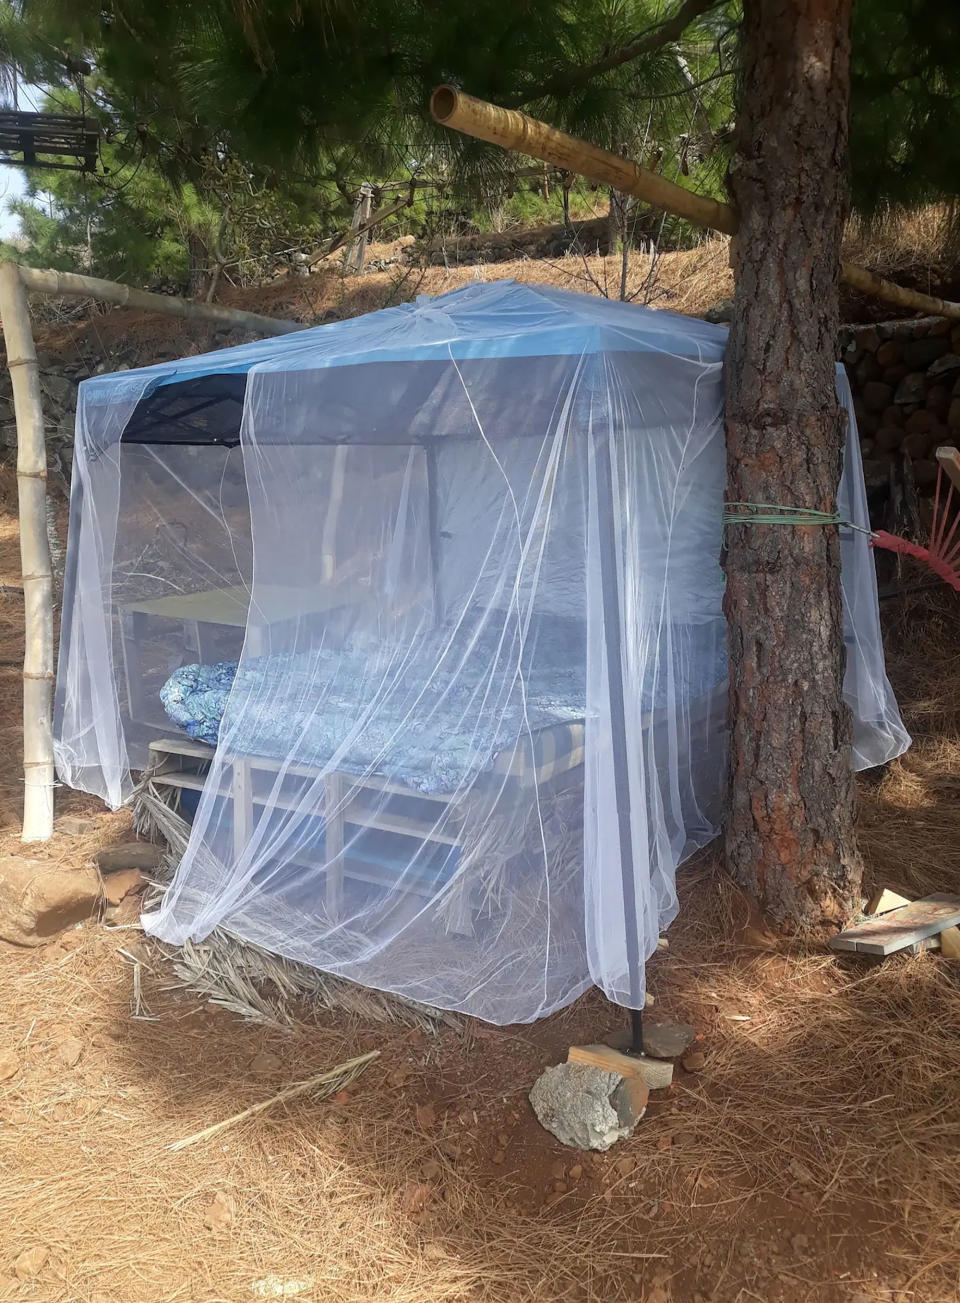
x=514, y=130
x=69, y=284
x=34, y=558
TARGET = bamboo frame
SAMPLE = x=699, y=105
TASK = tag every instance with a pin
x=35, y=561
x=34, y=558
x=514, y=130
x=71, y=285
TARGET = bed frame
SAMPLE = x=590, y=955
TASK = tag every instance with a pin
x=178, y=765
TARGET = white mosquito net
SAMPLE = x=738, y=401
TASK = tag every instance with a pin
x=432, y=600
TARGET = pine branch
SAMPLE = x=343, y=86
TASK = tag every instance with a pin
x=655, y=38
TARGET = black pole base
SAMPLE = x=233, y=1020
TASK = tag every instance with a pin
x=636, y=1032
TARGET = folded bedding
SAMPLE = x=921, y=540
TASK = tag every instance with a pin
x=432, y=714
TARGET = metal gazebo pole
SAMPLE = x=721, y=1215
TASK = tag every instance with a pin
x=612, y=630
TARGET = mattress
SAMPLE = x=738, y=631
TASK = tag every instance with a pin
x=432, y=715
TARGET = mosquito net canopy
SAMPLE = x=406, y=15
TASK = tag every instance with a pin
x=417, y=618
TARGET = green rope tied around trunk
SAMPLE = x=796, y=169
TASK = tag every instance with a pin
x=771, y=513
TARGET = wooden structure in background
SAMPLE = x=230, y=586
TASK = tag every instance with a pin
x=40, y=138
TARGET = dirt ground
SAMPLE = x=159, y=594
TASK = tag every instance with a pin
x=816, y=1155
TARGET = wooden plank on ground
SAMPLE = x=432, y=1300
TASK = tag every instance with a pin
x=950, y=943
x=949, y=459
x=882, y=902
x=657, y=1073
x=901, y=927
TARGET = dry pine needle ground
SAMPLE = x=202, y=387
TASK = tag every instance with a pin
x=815, y=1157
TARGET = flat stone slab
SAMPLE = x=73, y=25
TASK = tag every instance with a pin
x=662, y=1040
x=145, y=856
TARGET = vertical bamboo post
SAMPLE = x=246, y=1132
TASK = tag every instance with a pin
x=34, y=558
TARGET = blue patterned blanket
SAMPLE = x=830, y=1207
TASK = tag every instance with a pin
x=431, y=714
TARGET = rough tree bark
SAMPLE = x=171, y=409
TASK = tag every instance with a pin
x=790, y=837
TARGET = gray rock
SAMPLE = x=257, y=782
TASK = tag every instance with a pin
x=911, y=389
x=666, y=1040
x=59, y=388
x=144, y=856
x=720, y=313
x=573, y=1101
x=920, y=353
x=947, y=365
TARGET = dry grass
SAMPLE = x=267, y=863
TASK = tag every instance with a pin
x=917, y=247
x=815, y=1158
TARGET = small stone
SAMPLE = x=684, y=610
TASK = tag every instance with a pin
x=666, y=1040
x=431, y=1170
x=558, y=1170
x=426, y=1116
x=624, y=1166
x=694, y=1060
x=72, y=825
x=890, y=352
x=503, y=1140
x=31, y=1262
x=38, y=900
x=559, y=1187
x=922, y=353
x=916, y=444
x=576, y=1171
x=69, y=1051
x=888, y=437
x=265, y=1063
x=219, y=1216
x=9, y=1064
x=130, y=855
x=799, y=1242
x=877, y=395
x=498, y=1157
x=800, y=1172
x=416, y=1197
x=118, y=885
x=911, y=389
x=920, y=422
x=630, y=1099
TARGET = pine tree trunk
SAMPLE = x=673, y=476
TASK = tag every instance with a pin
x=790, y=837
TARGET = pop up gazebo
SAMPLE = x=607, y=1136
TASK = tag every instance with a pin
x=417, y=619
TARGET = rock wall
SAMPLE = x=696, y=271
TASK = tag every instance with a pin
x=905, y=377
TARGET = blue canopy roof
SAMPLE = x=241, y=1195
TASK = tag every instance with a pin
x=485, y=320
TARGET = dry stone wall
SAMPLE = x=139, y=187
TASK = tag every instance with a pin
x=905, y=377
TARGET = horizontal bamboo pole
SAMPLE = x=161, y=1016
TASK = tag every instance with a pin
x=69, y=284
x=34, y=558
x=512, y=129
x=515, y=130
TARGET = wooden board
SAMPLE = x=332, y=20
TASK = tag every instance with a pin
x=901, y=927
x=882, y=902
x=657, y=1073
x=949, y=459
